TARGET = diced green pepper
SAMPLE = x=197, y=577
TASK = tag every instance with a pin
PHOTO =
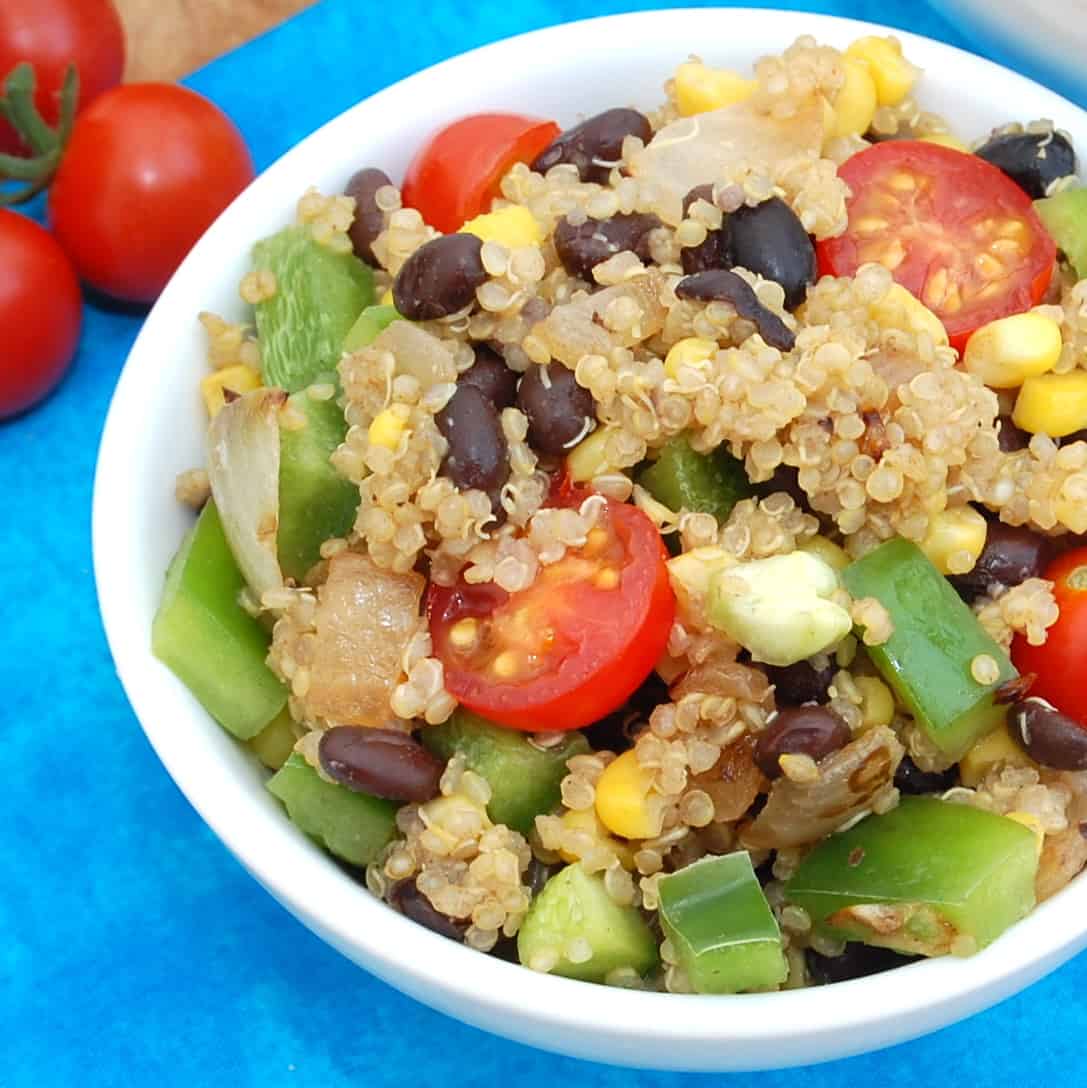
x=315, y=502
x=353, y=826
x=372, y=321
x=573, y=909
x=1065, y=217
x=928, y=877
x=205, y=636
x=928, y=658
x=722, y=929
x=318, y=296
x=524, y=779
x=710, y=483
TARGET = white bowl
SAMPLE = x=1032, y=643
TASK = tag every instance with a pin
x=155, y=429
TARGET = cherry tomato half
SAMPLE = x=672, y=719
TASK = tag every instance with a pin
x=954, y=230
x=574, y=645
x=1060, y=661
x=455, y=175
x=148, y=169
x=40, y=312
x=50, y=35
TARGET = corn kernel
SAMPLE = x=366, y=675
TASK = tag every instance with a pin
x=699, y=89
x=893, y=75
x=855, y=105
x=1004, y=353
x=691, y=351
x=589, y=458
x=587, y=820
x=877, y=702
x=955, y=539
x=622, y=799
x=898, y=309
x=946, y=139
x=387, y=298
x=275, y=742
x=512, y=227
x=999, y=747
x=386, y=429
x=827, y=550
x=1032, y=823
x=1052, y=404
x=238, y=379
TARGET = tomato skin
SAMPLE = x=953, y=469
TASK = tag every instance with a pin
x=50, y=35
x=149, y=168
x=620, y=638
x=40, y=312
x=455, y=174
x=1059, y=663
x=962, y=191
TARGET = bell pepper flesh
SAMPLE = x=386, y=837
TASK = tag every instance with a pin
x=709, y=483
x=928, y=877
x=927, y=660
x=722, y=929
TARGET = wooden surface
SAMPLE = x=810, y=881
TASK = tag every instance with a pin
x=168, y=38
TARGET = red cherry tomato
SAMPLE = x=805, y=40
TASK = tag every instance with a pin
x=1060, y=661
x=954, y=230
x=50, y=35
x=455, y=175
x=148, y=169
x=574, y=645
x=40, y=312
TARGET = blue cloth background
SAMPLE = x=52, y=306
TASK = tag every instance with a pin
x=134, y=949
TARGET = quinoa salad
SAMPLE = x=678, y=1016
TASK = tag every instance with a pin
x=650, y=552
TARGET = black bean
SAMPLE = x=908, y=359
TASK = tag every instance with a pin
x=771, y=240
x=439, y=278
x=785, y=478
x=490, y=375
x=1012, y=554
x=857, y=961
x=1010, y=436
x=411, y=902
x=814, y=731
x=1033, y=160
x=380, y=762
x=711, y=253
x=582, y=247
x=478, y=455
x=800, y=683
x=369, y=219
x=721, y=285
x=909, y=778
x=556, y=406
x=1075, y=436
x=1049, y=737
x=595, y=145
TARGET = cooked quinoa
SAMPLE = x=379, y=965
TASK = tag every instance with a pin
x=614, y=347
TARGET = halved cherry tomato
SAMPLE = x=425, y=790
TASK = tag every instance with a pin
x=1059, y=663
x=455, y=175
x=574, y=645
x=954, y=230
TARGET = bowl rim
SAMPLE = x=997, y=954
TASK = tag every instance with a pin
x=483, y=989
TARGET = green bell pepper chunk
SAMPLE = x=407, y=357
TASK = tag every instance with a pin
x=722, y=929
x=708, y=483
x=1065, y=217
x=927, y=660
x=928, y=877
x=370, y=324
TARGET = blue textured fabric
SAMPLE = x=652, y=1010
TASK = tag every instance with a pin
x=135, y=950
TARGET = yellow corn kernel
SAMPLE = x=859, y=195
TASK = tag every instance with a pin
x=877, y=702
x=1004, y=353
x=855, y=105
x=387, y=298
x=945, y=139
x=587, y=820
x=589, y=458
x=238, y=379
x=275, y=742
x=893, y=75
x=622, y=799
x=386, y=429
x=999, y=747
x=1032, y=823
x=955, y=539
x=699, y=89
x=898, y=309
x=690, y=351
x=1052, y=404
x=512, y=227
x=827, y=550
